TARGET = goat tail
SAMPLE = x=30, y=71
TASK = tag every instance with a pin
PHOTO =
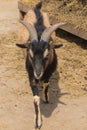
x=38, y=6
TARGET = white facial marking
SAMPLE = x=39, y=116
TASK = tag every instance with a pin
x=38, y=77
x=46, y=53
x=31, y=53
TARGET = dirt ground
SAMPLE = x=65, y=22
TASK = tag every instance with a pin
x=67, y=109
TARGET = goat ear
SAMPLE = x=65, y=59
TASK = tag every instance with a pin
x=22, y=45
x=55, y=45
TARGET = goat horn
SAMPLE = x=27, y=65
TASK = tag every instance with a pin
x=47, y=32
x=31, y=29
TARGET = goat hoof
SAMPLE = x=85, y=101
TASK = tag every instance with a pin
x=46, y=102
x=38, y=127
x=38, y=124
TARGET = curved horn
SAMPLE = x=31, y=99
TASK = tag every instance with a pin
x=31, y=29
x=47, y=32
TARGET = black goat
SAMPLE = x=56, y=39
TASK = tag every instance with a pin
x=41, y=59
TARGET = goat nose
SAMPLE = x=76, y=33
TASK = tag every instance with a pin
x=38, y=73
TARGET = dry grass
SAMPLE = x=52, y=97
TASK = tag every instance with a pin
x=72, y=12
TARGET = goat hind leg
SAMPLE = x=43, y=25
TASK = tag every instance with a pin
x=45, y=93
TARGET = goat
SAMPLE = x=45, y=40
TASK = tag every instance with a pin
x=41, y=59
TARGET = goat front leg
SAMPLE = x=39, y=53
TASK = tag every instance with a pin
x=45, y=92
x=38, y=118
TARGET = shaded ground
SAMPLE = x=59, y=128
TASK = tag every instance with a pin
x=68, y=98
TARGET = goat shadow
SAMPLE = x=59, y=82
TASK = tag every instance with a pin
x=72, y=38
x=54, y=96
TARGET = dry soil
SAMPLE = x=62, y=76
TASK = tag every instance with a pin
x=67, y=109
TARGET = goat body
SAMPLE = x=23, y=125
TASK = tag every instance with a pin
x=37, y=18
x=41, y=60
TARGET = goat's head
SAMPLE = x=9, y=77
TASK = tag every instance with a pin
x=39, y=52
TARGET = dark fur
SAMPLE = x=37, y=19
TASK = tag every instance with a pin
x=48, y=72
x=40, y=28
x=38, y=50
x=39, y=24
x=50, y=69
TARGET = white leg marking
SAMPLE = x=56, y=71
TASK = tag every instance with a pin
x=37, y=101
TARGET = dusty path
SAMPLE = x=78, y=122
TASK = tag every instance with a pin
x=8, y=15
x=68, y=99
